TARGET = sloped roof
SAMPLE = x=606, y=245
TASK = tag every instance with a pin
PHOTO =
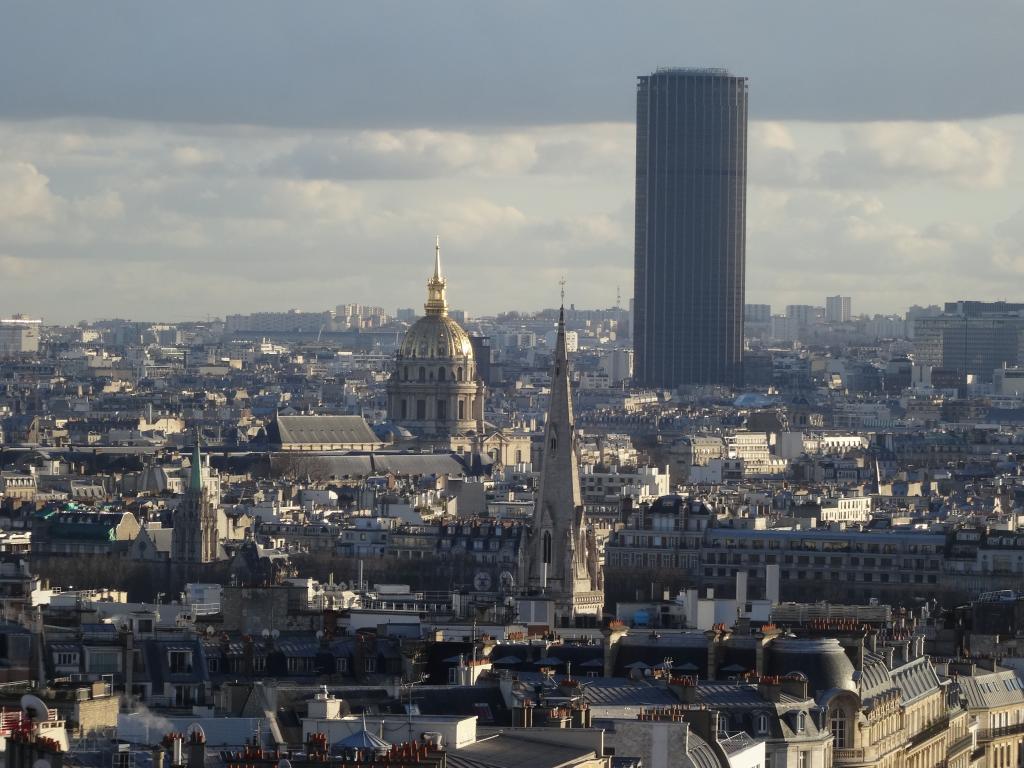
x=321, y=430
x=362, y=739
x=916, y=678
x=993, y=689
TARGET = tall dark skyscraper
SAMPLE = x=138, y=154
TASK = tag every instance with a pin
x=691, y=209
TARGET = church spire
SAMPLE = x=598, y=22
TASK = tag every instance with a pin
x=436, y=304
x=196, y=481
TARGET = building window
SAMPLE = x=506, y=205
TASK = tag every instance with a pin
x=179, y=662
x=371, y=665
x=65, y=659
x=186, y=695
x=442, y=409
x=462, y=409
x=423, y=373
x=839, y=730
x=300, y=665
x=762, y=724
x=421, y=410
x=341, y=666
x=212, y=664
x=405, y=409
x=440, y=374
x=259, y=663
x=801, y=760
x=453, y=675
x=801, y=722
x=458, y=372
x=104, y=662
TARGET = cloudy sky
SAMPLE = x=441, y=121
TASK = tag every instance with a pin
x=178, y=160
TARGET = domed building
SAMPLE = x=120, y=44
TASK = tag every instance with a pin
x=435, y=390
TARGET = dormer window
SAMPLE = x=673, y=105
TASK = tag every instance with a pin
x=801, y=722
x=179, y=662
x=762, y=723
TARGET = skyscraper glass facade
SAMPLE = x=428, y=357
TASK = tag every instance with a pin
x=691, y=189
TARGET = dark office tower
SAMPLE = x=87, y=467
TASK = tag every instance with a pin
x=691, y=195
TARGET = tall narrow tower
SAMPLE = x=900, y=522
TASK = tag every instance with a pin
x=690, y=240
x=194, y=538
x=563, y=554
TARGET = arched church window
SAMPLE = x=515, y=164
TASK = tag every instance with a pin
x=547, y=547
x=552, y=444
x=459, y=373
x=462, y=408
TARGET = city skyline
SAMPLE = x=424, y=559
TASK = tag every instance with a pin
x=232, y=192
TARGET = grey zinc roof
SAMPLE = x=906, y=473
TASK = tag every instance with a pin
x=509, y=751
x=324, y=430
x=418, y=464
x=346, y=466
x=992, y=689
x=916, y=678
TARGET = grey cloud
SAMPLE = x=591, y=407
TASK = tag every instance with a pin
x=389, y=63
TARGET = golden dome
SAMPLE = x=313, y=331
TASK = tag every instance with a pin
x=435, y=335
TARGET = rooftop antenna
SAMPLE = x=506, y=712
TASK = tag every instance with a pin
x=618, y=297
x=561, y=284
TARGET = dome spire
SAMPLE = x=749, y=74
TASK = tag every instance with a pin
x=436, y=302
x=437, y=258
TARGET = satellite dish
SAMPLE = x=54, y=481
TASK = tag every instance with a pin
x=34, y=708
x=284, y=762
x=197, y=730
x=210, y=630
x=275, y=634
x=343, y=586
x=265, y=633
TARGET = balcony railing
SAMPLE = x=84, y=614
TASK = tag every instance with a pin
x=849, y=753
x=988, y=734
x=960, y=745
x=935, y=729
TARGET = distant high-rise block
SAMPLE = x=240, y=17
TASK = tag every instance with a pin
x=690, y=249
x=838, y=309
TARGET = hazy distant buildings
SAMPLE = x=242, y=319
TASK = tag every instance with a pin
x=691, y=174
x=292, y=321
x=971, y=337
x=19, y=335
x=838, y=309
x=757, y=313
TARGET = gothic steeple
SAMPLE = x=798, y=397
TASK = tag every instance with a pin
x=196, y=479
x=194, y=538
x=562, y=564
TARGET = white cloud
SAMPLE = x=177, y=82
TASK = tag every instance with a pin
x=148, y=211
x=25, y=193
x=875, y=154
